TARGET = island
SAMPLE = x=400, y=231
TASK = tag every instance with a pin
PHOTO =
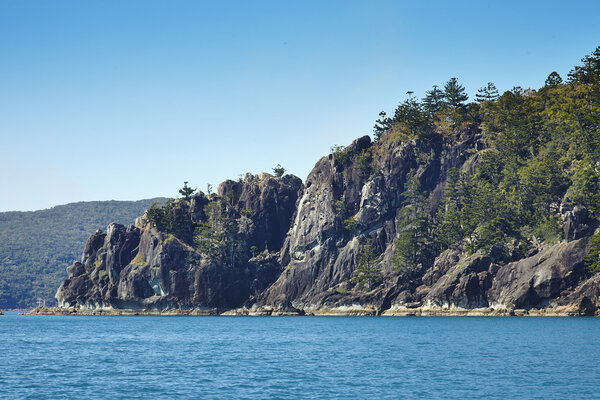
x=489, y=207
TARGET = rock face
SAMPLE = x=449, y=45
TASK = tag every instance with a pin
x=296, y=247
x=143, y=268
x=535, y=281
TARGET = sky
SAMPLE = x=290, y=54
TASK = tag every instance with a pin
x=125, y=100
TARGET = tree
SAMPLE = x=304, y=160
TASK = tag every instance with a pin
x=279, y=171
x=553, y=79
x=592, y=260
x=186, y=191
x=487, y=93
x=586, y=187
x=411, y=246
x=512, y=124
x=455, y=94
x=433, y=100
x=589, y=72
x=410, y=114
x=448, y=221
x=171, y=218
x=382, y=124
x=367, y=273
x=156, y=216
x=217, y=236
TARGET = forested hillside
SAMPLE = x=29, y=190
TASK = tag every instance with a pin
x=536, y=150
x=36, y=247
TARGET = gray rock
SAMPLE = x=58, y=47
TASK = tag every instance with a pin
x=576, y=223
x=534, y=281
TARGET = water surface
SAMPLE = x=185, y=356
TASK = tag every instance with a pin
x=145, y=357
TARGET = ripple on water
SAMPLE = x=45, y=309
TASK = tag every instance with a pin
x=320, y=358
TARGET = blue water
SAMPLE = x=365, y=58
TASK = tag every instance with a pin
x=298, y=358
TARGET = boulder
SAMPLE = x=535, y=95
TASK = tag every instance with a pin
x=534, y=281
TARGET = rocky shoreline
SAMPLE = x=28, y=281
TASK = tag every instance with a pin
x=345, y=311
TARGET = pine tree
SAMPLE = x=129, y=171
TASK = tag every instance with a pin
x=487, y=93
x=186, y=191
x=411, y=246
x=553, y=79
x=367, y=273
x=589, y=72
x=448, y=220
x=455, y=94
x=592, y=260
x=410, y=114
x=278, y=171
x=381, y=125
x=433, y=100
x=217, y=236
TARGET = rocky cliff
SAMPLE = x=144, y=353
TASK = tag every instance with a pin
x=268, y=245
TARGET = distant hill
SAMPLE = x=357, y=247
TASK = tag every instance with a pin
x=36, y=247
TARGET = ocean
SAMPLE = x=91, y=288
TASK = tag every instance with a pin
x=179, y=357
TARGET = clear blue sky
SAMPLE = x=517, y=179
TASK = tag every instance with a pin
x=126, y=99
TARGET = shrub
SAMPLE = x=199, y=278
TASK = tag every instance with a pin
x=592, y=260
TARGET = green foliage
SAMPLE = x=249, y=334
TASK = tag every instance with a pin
x=413, y=247
x=487, y=93
x=36, y=247
x=382, y=125
x=350, y=224
x=553, y=79
x=364, y=163
x=340, y=155
x=411, y=118
x=171, y=218
x=278, y=171
x=138, y=259
x=246, y=212
x=340, y=206
x=542, y=148
x=217, y=236
x=168, y=239
x=548, y=230
x=589, y=72
x=449, y=229
x=586, y=187
x=367, y=274
x=434, y=100
x=455, y=94
x=186, y=191
x=592, y=260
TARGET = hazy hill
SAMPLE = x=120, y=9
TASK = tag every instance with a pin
x=37, y=246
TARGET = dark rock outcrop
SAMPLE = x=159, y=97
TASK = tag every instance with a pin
x=585, y=298
x=143, y=268
x=576, y=223
x=533, y=282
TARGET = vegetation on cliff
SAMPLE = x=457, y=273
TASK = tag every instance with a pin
x=536, y=150
x=489, y=203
